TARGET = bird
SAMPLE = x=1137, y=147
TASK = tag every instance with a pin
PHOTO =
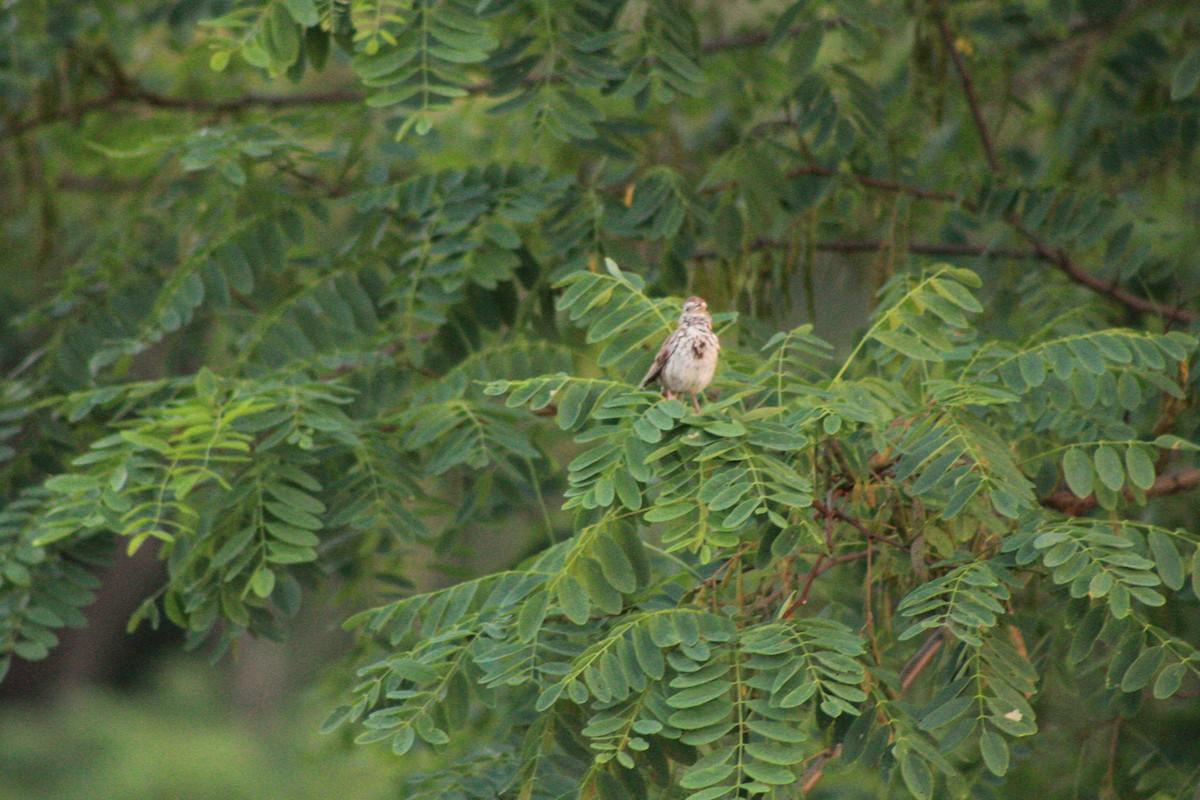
x=687, y=359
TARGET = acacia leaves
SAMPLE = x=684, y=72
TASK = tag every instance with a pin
x=1102, y=561
x=365, y=333
x=625, y=635
x=615, y=310
x=967, y=599
x=672, y=624
x=920, y=314
x=42, y=587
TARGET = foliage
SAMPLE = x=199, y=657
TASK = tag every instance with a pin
x=332, y=335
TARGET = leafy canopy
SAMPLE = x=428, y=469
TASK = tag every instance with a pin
x=319, y=336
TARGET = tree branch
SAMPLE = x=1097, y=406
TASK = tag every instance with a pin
x=830, y=512
x=873, y=246
x=130, y=92
x=1069, y=503
x=156, y=100
x=126, y=90
x=876, y=183
x=822, y=565
x=968, y=85
x=1111, y=290
x=921, y=659
x=1043, y=251
x=815, y=771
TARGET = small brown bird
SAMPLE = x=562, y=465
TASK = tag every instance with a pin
x=688, y=358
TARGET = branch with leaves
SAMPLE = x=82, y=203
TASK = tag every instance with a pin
x=296, y=352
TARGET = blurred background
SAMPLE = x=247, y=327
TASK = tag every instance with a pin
x=112, y=715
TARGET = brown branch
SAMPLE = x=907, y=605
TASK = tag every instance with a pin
x=125, y=90
x=156, y=100
x=856, y=523
x=874, y=246
x=752, y=39
x=921, y=659
x=822, y=565
x=1109, y=289
x=808, y=582
x=815, y=771
x=1069, y=503
x=129, y=92
x=73, y=112
x=1042, y=250
x=929, y=249
x=874, y=183
x=968, y=85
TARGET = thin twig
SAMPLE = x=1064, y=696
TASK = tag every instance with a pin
x=132, y=93
x=808, y=582
x=968, y=85
x=884, y=184
x=1076, y=273
x=126, y=90
x=921, y=659
x=835, y=513
x=815, y=771
x=822, y=565
x=1042, y=250
x=875, y=245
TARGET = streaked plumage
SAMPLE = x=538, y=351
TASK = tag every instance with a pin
x=686, y=361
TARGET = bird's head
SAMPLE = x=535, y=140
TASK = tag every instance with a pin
x=695, y=305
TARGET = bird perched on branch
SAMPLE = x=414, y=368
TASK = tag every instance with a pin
x=686, y=361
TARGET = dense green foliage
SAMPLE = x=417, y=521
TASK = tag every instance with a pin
x=380, y=332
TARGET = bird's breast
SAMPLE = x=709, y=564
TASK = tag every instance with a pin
x=692, y=368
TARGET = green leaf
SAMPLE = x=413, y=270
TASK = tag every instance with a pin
x=294, y=516
x=263, y=582
x=233, y=546
x=908, y=345
x=916, y=775
x=303, y=11
x=31, y=651
x=403, y=740
x=994, y=750
x=1196, y=572
x=725, y=428
x=292, y=535
x=573, y=599
x=1166, y=558
x=295, y=498
x=1109, y=468
x=707, y=772
x=1033, y=370
x=532, y=615
x=1169, y=681
x=1169, y=441
x=946, y=713
x=1077, y=469
x=649, y=656
x=1140, y=672
x=70, y=484
x=1186, y=75
x=1140, y=467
